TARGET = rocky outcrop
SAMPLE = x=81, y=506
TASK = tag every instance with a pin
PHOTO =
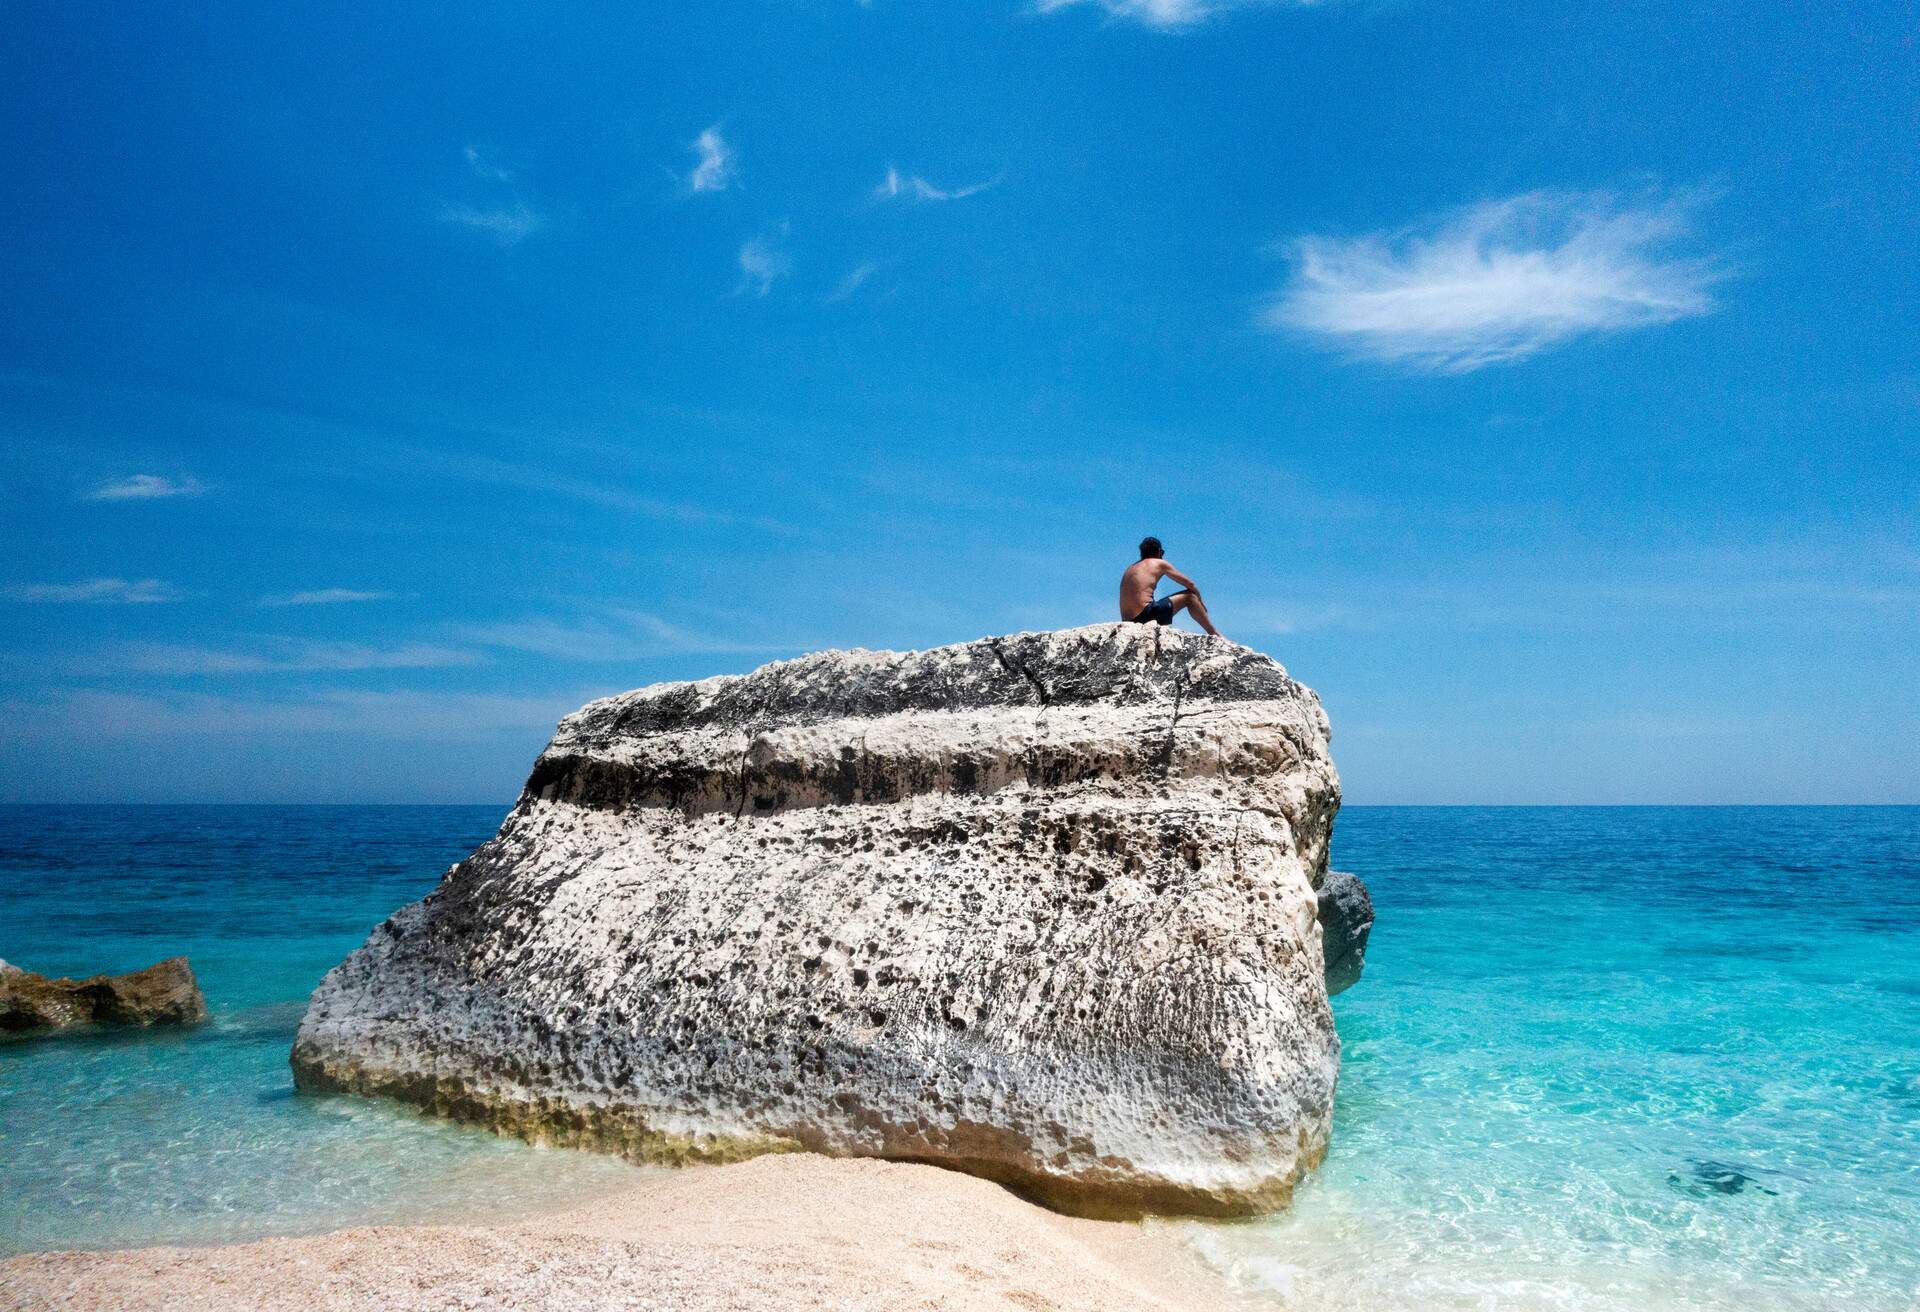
x=163, y=994
x=1346, y=918
x=1041, y=908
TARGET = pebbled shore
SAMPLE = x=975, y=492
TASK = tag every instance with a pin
x=783, y=1232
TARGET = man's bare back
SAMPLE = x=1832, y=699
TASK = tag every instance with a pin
x=1137, y=586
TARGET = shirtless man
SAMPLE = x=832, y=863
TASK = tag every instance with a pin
x=1143, y=576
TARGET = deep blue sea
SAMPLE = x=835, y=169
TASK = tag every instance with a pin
x=1606, y=1058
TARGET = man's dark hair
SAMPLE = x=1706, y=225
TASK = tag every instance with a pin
x=1150, y=549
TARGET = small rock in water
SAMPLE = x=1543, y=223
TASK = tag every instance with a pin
x=1705, y=1178
x=1346, y=918
x=165, y=993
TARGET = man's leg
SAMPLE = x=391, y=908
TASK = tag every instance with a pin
x=1189, y=601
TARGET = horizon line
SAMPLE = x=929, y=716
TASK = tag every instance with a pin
x=1345, y=806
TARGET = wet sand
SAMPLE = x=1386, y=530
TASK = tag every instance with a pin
x=782, y=1232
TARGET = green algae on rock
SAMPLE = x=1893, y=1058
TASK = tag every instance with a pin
x=164, y=993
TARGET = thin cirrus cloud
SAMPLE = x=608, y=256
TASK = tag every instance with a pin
x=763, y=262
x=509, y=225
x=856, y=279
x=146, y=487
x=108, y=592
x=449, y=716
x=283, y=656
x=618, y=635
x=324, y=597
x=483, y=167
x=598, y=490
x=715, y=169
x=509, y=221
x=1497, y=281
x=1168, y=15
x=896, y=186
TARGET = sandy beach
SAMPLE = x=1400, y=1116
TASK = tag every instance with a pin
x=778, y=1232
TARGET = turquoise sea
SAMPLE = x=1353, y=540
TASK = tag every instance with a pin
x=1603, y=1058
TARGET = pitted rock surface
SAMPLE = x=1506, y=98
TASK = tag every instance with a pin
x=1041, y=908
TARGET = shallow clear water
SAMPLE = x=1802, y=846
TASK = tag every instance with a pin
x=197, y=1136
x=1601, y=1059
x=1619, y=1059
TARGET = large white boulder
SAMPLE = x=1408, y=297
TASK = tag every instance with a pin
x=1041, y=908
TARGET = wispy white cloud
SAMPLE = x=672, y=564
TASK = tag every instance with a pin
x=763, y=262
x=619, y=635
x=604, y=490
x=716, y=170
x=507, y=224
x=412, y=715
x=1496, y=281
x=146, y=487
x=1168, y=15
x=509, y=221
x=135, y=592
x=898, y=186
x=856, y=278
x=324, y=597
x=485, y=168
x=272, y=655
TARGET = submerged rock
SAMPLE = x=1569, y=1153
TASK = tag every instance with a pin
x=1346, y=918
x=1705, y=1178
x=163, y=994
x=1040, y=908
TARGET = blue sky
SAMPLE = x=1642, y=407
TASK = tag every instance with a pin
x=1539, y=383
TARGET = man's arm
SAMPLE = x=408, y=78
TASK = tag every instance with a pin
x=1190, y=600
x=1174, y=574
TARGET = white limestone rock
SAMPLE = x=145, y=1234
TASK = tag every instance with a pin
x=1041, y=908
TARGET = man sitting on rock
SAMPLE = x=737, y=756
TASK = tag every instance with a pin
x=1143, y=576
